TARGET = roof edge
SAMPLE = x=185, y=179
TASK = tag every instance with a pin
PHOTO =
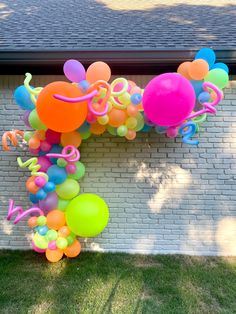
x=139, y=61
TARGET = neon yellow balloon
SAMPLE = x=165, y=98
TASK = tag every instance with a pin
x=87, y=215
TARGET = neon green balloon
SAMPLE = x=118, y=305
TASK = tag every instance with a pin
x=111, y=130
x=80, y=171
x=85, y=135
x=61, y=243
x=62, y=204
x=40, y=241
x=68, y=189
x=140, y=122
x=87, y=215
x=122, y=130
x=35, y=122
x=218, y=77
x=51, y=235
x=28, y=135
x=41, y=220
x=131, y=123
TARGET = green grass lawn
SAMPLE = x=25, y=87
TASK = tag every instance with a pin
x=116, y=283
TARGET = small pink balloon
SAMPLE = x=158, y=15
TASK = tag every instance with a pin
x=172, y=132
x=168, y=99
x=118, y=87
x=52, y=245
x=53, y=137
x=71, y=168
x=40, y=181
x=45, y=146
x=44, y=162
x=37, y=249
x=74, y=71
x=91, y=118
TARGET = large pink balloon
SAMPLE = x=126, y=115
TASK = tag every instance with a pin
x=168, y=99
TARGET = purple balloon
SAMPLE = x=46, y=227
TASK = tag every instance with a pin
x=49, y=203
x=44, y=162
x=74, y=70
x=26, y=118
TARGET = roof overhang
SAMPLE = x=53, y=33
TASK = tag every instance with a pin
x=121, y=61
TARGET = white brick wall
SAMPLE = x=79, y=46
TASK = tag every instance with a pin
x=164, y=197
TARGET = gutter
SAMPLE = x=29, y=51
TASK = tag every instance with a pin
x=135, y=61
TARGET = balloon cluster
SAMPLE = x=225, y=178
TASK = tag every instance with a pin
x=63, y=114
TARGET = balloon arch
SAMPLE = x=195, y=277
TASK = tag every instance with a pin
x=63, y=114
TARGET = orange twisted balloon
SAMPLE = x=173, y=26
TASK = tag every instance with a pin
x=12, y=136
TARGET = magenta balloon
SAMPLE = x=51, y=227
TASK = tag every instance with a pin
x=37, y=249
x=49, y=203
x=74, y=71
x=44, y=162
x=168, y=99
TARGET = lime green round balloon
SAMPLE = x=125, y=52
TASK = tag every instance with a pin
x=85, y=135
x=80, y=171
x=111, y=130
x=218, y=77
x=68, y=189
x=41, y=220
x=40, y=241
x=140, y=122
x=62, y=204
x=70, y=240
x=28, y=135
x=61, y=243
x=51, y=235
x=87, y=215
x=35, y=122
x=122, y=130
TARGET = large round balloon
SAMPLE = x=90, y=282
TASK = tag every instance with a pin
x=168, y=99
x=58, y=115
x=87, y=215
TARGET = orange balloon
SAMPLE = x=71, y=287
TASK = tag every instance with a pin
x=56, y=219
x=54, y=255
x=34, y=143
x=32, y=222
x=31, y=186
x=97, y=128
x=98, y=71
x=64, y=231
x=72, y=138
x=73, y=250
x=131, y=135
x=183, y=69
x=58, y=115
x=117, y=117
x=40, y=134
x=132, y=110
x=198, y=69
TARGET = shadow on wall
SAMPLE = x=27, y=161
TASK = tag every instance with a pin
x=142, y=24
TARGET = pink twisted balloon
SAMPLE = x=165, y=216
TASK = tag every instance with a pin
x=20, y=212
x=69, y=153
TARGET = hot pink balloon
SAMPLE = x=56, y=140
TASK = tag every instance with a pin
x=74, y=71
x=53, y=137
x=44, y=162
x=168, y=99
x=37, y=249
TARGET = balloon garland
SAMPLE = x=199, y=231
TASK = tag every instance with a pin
x=63, y=114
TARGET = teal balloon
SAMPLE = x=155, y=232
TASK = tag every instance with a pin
x=35, y=122
x=80, y=171
x=218, y=77
x=87, y=215
x=197, y=85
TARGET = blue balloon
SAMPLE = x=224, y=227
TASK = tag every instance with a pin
x=136, y=98
x=42, y=230
x=222, y=66
x=56, y=174
x=22, y=98
x=204, y=97
x=84, y=127
x=41, y=195
x=42, y=153
x=197, y=85
x=49, y=187
x=33, y=198
x=83, y=86
x=146, y=128
x=56, y=149
x=208, y=55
